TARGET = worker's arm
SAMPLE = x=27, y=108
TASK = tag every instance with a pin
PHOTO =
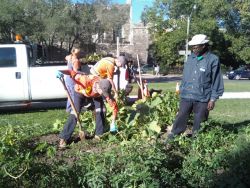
x=110, y=73
x=112, y=103
x=217, y=80
x=113, y=86
x=69, y=72
x=76, y=64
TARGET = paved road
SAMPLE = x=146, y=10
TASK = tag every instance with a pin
x=168, y=78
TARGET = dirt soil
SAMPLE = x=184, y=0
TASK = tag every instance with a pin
x=68, y=154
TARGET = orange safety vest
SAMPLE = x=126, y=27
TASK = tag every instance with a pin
x=84, y=85
x=105, y=67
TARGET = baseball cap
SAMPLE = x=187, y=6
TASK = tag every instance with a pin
x=198, y=39
x=106, y=87
x=122, y=60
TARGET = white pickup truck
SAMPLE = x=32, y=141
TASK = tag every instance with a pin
x=22, y=80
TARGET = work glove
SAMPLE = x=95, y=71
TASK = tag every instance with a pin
x=59, y=74
x=72, y=73
x=113, y=127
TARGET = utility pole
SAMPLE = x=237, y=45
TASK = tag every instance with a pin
x=117, y=46
x=188, y=28
x=130, y=21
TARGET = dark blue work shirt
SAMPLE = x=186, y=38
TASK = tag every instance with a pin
x=202, y=79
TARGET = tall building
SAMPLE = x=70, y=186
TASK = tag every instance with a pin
x=134, y=39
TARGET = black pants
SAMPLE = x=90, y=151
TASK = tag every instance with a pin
x=186, y=107
x=80, y=101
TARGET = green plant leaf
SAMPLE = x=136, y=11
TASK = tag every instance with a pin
x=154, y=126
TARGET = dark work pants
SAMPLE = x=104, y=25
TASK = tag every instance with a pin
x=100, y=115
x=186, y=107
x=69, y=126
x=80, y=101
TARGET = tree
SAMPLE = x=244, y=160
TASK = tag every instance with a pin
x=17, y=17
x=110, y=18
x=50, y=22
x=226, y=25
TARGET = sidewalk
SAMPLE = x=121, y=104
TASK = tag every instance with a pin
x=226, y=95
x=235, y=95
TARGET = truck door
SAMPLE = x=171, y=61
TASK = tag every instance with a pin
x=13, y=73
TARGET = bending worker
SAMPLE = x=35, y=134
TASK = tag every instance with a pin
x=89, y=86
x=105, y=69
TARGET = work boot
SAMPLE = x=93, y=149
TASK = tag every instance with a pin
x=170, y=136
x=62, y=144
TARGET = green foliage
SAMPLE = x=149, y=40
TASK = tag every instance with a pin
x=237, y=161
x=206, y=156
x=92, y=58
x=110, y=17
x=226, y=25
x=137, y=156
x=147, y=118
x=59, y=21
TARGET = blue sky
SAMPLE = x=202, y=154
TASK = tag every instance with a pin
x=138, y=6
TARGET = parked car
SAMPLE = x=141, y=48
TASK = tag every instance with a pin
x=242, y=72
x=148, y=68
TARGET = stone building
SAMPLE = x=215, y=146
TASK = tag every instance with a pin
x=139, y=45
x=134, y=39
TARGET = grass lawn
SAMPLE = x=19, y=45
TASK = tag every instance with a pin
x=218, y=157
x=33, y=123
x=231, y=111
x=226, y=110
x=230, y=86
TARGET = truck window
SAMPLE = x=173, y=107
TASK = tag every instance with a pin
x=7, y=57
x=40, y=52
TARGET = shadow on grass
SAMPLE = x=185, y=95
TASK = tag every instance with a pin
x=235, y=127
x=34, y=107
x=231, y=127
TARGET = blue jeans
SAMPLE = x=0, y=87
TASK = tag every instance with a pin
x=186, y=108
x=71, y=89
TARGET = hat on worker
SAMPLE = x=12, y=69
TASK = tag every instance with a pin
x=122, y=60
x=198, y=39
x=106, y=87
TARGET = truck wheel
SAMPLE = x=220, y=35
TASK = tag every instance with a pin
x=237, y=77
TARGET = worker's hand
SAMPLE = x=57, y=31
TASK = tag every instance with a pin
x=59, y=74
x=113, y=127
x=210, y=105
x=72, y=73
